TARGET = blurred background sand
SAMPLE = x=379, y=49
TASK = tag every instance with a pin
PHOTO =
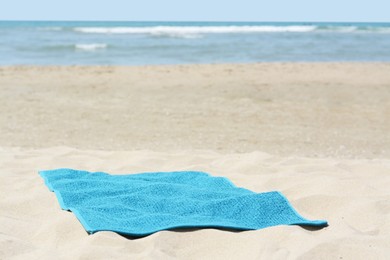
x=313, y=109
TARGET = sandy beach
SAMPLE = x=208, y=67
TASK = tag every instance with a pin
x=317, y=132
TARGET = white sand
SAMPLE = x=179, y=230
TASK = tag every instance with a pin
x=319, y=133
x=353, y=195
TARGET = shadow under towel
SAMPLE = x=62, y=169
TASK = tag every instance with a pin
x=142, y=204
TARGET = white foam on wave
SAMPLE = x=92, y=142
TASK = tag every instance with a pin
x=354, y=29
x=177, y=35
x=381, y=30
x=91, y=47
x=193, y=30
x=343, y=29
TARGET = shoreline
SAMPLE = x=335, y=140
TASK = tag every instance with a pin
x=341, y=62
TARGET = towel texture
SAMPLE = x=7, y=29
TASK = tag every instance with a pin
x=141, y=204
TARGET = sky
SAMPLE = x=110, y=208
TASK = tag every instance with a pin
x=198, y=10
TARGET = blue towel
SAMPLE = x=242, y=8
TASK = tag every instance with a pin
x=142, y=204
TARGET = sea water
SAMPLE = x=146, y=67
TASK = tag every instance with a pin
x=142, y=43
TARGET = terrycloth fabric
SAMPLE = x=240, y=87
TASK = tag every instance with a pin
x=141, y=204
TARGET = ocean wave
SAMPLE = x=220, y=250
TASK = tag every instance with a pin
x=177, y=35
x=377, y=29
x=193, y=30
x=90, y=47
x=354, y=29
x=50, y=29
x=197, y=31
x=341, y=29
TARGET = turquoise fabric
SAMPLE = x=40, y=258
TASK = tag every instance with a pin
x=141, y=204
